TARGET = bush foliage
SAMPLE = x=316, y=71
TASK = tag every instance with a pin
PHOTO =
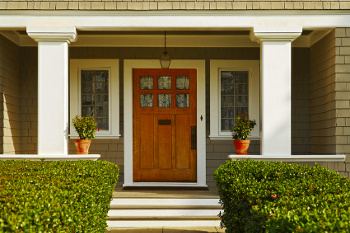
x=262, y=196
x=55, y=196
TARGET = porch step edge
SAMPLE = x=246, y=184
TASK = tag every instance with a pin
x=163, y=223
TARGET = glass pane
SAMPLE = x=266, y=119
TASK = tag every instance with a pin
x=102, y=123
x=227, y=82
x=241, y=89
x=101, y=76
x=87, y=76
x=146, y=100
x=182, y=100
x=101, y=111
x=87, y=100
x=241, y=109
x=164, y=100
x=146, y=82
x=101, y=99
x=164, y=83
x=87, y=111
x=183, y=83
x=227, y=125
x=101, y=88
x=86, y=88
x=242, y=76
x=241, y=101
x=227, y=113
x=227, y=101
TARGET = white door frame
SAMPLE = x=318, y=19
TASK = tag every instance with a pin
x=129, y=65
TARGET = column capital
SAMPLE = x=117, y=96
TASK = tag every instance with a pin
x=52, y=34
x=275, y=33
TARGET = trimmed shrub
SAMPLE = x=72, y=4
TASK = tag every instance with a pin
x=262, y=196
x=55, y=196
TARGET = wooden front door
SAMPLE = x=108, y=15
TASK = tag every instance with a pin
x=164, y=116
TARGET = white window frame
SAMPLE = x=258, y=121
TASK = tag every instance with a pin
x=112, y=65
x=216, y=66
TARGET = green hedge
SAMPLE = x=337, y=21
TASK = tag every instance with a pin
x=262, y=196
x=55, y=196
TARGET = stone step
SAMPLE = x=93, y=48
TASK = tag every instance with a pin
x=153, y=212
x=153, y=203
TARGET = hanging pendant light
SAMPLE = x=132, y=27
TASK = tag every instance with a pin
x=165, y=59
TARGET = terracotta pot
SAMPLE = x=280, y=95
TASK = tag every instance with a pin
x=82, y=145
x=241, y=146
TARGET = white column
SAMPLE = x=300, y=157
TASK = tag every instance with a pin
x=275, y=84
x=52, y=87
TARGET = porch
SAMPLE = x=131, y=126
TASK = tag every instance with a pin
x=301, y=71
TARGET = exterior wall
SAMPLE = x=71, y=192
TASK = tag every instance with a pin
x=29, y=100
x=322, y=96
x=173, y=5
x=342, y=88
x=300, y=101
x=10, y=110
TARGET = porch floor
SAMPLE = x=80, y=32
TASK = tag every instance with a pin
x=166, y=193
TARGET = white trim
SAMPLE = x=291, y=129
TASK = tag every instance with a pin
x=151, y=20
x=292, y=158
x=52, y=34
x=215, y=96
x=57, y=157
x=144, y=40
x=112, y=65
x=129, y=65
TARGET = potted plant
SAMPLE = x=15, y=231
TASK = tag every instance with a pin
x=240, y=133
x=86, y=128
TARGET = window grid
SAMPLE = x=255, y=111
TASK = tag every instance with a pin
x=234, y=97
x=95, y=96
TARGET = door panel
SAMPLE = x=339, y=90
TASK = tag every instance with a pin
x=165, y=109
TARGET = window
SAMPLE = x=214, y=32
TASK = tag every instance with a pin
x=234, y=88
x=94, y=91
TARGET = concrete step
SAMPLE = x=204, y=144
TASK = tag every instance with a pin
x=152, y=212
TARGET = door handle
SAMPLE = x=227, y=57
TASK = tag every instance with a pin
x=193, y=138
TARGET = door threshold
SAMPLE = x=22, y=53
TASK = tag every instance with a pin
x=164, y=186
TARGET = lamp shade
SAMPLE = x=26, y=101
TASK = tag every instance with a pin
x=165, y=60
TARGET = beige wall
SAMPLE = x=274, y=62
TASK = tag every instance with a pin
x=10, y=110
x=342, y=91
x=322, y=96
x=173, y=5
x=29, y=100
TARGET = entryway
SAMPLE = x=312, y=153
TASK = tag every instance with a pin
x=165, y=125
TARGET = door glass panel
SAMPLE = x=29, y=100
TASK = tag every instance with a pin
x=146, y=82
x=164, y=100
x=183, y=83
x=146, y=100
x=182, y=100
x=164, y=83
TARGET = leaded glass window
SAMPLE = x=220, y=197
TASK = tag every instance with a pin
x=234, y=97
x=94, y=96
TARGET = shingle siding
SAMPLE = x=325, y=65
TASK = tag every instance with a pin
x=10, y=110
x=172, y=5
